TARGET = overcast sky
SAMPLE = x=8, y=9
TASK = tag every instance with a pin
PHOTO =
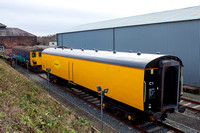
x=47, y=17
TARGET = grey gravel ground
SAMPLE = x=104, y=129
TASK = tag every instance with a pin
x=115, y=124
x=180, y=126
x=192, y=114
x=185, y=120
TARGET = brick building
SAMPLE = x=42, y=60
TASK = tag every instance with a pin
x=10, y=37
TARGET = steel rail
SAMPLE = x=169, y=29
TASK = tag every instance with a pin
x=170, y=127
x=190, y=108
x=191, y=101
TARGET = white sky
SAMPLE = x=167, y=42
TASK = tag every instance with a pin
x=47, y=17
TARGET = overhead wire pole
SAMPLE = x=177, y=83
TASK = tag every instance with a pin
x=102, y=95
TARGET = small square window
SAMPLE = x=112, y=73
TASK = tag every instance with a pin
x=33, y=55
x=40, y=54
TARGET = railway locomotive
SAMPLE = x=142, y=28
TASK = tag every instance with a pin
x=146, y=83
x=29, y=54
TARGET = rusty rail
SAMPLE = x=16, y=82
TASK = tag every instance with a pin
x=194, y=108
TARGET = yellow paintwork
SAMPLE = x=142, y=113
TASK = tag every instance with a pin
x=181, y=82
x=36, y=59
x=129, y=117
x=125, y=83
x=104, y=105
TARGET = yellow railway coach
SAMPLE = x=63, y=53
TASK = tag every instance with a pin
x=150, y=83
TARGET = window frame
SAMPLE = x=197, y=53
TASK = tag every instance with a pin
x=33, y=54
x=40, y=54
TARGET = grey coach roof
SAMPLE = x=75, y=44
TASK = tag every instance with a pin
x=119, y=58
x=191, y=13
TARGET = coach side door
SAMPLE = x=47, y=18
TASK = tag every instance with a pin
x=70, y=70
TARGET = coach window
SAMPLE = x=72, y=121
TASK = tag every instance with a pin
x=40, y=54
x=33, y=55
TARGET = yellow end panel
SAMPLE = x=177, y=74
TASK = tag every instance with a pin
x=36, y=59
x=125, y=84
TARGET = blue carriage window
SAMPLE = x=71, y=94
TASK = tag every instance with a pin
x=40, y=54
x=33, y=55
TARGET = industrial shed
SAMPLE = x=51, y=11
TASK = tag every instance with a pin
x=175, y=32
x=10, y=37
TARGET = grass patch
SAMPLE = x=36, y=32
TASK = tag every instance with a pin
x=25, y=107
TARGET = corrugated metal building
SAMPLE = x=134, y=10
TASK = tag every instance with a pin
x=10, y=37
x=174, y=32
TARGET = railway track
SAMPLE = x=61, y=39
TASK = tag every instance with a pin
x=94, y=101
x=146, y=127
x=190, y=104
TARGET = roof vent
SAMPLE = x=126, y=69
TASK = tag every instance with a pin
x=114, y=52
x=130, y=51
x=157, y=52
x=62, y=48
x=96, y=50
x=139, y=53
x=82, y=49
x=71, y=48
x=55, y=47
